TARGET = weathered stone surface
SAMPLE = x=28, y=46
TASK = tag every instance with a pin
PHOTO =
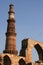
x=14, y=59
x=10, y=57
x=27, y=50
x=23, y=49
x=10, y=46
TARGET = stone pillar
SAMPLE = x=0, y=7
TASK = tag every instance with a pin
x=24, y=46
x=28, y=58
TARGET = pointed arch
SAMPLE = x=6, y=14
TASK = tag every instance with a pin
x=39, y=51
x=22, y=62
x=7, y=60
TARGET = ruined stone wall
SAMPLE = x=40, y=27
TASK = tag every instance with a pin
x=25, y=56
x=26, y=50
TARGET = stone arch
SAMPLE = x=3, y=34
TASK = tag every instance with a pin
x=39, y=50
x=7, y=60
x=22, y=62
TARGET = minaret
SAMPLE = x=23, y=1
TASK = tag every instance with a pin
x=10, y=46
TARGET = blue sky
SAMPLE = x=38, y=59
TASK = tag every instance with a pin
x=29, y=21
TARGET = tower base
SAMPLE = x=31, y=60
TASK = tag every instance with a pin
x=11, y=52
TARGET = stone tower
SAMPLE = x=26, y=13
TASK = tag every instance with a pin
x=10, y=46
x=9, y=55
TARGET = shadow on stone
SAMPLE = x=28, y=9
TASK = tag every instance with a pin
x=22, y=62
x=24, y=46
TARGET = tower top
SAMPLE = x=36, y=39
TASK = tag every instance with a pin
x=11, y=11
x=11, y=4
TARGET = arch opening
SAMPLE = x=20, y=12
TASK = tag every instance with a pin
x=39, y=51
x=7, y=60
x=22, y=62
x=35, y=56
